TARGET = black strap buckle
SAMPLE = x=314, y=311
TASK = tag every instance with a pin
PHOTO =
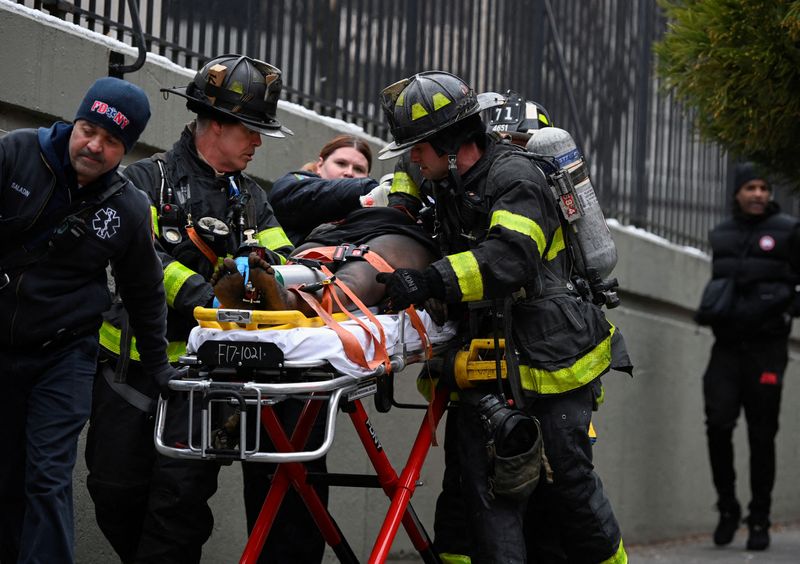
x=348, y=251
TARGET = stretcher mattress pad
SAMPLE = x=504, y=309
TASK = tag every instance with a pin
x=322, y=343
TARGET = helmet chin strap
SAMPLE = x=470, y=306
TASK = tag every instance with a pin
x=452, y=169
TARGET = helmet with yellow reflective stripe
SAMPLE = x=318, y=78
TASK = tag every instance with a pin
x=239, y=88
x=518, y=115
x=426, y=103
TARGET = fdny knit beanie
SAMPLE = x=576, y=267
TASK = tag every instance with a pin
x=745, y=172
x=119, y=107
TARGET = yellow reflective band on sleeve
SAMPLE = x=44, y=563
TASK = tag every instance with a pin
x=585, y=369
x=448, y=558
x=417, y=111
x=175, y=274
x=620, y=556
x=440, y=101
x=520, y=224
x=154, y=217
x=556, y=246
x=468, y=274
x=110, y=336
x=273, y=238
x=402, y=182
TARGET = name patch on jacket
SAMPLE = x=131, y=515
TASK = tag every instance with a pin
x=105, y=223
x=21, y=189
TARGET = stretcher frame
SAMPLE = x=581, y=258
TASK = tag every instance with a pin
x=337, y=392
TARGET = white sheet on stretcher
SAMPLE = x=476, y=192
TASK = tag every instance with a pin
x=322, y=343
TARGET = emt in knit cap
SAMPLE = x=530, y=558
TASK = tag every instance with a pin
x=119, y=107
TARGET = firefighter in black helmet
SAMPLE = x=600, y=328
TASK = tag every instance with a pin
x=502, y=240
x=150, y=507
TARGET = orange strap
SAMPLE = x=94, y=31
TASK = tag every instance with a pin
x=378, y=263
x=201, y=245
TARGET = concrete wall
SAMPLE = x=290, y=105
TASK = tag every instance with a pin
x=651, y=446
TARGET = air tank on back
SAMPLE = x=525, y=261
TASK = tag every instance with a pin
x=573, y=190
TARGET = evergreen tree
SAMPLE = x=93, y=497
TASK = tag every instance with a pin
x=736, y=63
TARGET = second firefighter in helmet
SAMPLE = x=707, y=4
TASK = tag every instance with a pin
x=501, y=237
x=517, y=118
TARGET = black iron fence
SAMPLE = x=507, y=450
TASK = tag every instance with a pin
x=589, y=63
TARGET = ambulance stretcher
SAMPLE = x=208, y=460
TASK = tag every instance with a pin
x=256, y=359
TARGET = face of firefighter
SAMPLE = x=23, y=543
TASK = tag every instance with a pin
x=753, y=197
x=234, y=147
x=93, y=151
x=344, y=162
x=432, y=165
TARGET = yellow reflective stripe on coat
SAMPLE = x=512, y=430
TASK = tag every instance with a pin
x=175, y=274
x=468, y=274
x=154, y=218
x=620, y=556
x=585, y=369
x=448, y=558
x=520, y=224
x=402, y=182
x=556, y=246
x=274, y=238
x=110, y=336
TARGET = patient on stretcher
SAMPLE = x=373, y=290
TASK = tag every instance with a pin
x=389, y=232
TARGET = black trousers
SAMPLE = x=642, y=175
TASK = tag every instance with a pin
x=570, y=520
x=153, y=508
x=747, y=375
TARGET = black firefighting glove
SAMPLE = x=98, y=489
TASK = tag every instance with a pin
x=164, y=378
x=406, y=286
x=272, y=257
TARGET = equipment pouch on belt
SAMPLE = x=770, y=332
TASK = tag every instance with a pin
x=514, y=448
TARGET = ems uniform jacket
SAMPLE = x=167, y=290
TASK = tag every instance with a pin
x=303, y=200
x=503, y=234
x=762, y=255
x=197, y=192
x=66, y=290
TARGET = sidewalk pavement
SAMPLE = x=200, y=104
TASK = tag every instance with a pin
x=700, y=549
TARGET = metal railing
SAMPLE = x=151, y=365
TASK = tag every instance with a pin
x=589, y=63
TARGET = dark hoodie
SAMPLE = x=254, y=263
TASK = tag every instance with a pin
x=66, y=288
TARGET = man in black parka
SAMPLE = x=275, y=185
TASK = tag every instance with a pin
x=759, y=249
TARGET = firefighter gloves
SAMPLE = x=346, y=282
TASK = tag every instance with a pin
x=406, y=287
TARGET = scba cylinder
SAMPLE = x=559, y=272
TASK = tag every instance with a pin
x=596, y=249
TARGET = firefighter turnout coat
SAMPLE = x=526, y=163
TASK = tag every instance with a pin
x=195, y=191
x=502, y=235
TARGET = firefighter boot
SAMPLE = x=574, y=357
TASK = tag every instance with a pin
x=758, y=538
x=729, y=517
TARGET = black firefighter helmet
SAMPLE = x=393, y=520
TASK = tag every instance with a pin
x=237, y=87
x=518, y=115
x=424, y=104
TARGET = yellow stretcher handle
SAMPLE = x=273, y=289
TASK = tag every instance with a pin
x=477, y=365
x=252, y=320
